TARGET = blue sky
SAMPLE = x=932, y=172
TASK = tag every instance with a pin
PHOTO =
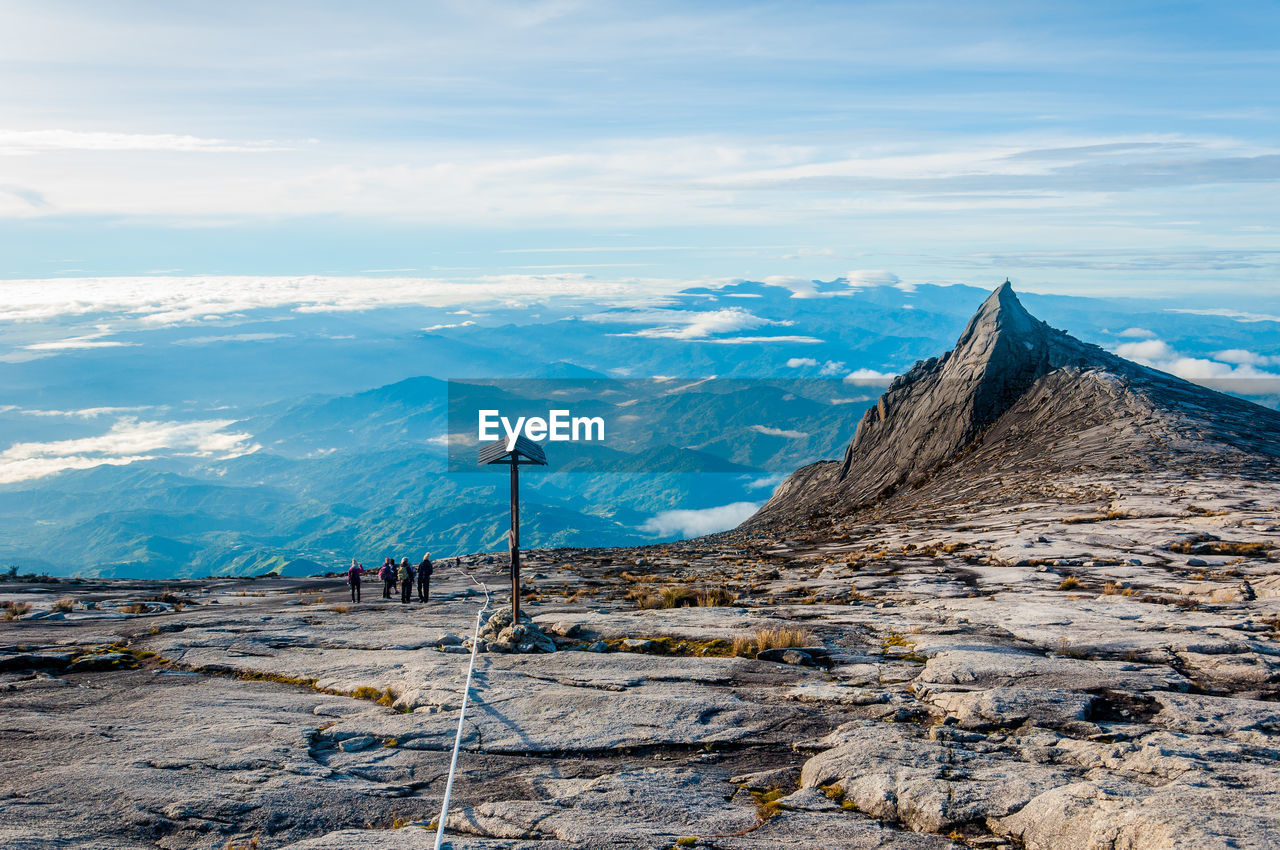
x=1083, y=148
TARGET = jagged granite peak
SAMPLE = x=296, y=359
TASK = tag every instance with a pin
x=1016, y=395
x=943, y=404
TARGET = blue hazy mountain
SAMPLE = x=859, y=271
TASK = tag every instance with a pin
x=279, y=440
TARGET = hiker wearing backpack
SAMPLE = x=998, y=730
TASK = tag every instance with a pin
x=406, y=580
x=354, y=573
x=388, y=576
x=424, y=578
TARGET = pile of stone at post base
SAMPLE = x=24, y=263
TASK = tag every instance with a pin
x=498, y=634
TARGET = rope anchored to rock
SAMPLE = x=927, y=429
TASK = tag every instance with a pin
x=462, y=715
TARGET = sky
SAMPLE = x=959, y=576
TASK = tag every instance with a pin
x=1083, y=148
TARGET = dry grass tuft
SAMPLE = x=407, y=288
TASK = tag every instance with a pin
x=644, y=598
x=1069, y=583
x=780, y=638
x=66, y=605
x=1222, y=547
x=716, y=597
x=679, y=597
x=14, y=610
x=1113, y=588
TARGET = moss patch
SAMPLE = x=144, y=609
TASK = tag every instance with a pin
x=716, y=648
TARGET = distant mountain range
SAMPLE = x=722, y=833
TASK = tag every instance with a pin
x=283, y=440
x=365, y=475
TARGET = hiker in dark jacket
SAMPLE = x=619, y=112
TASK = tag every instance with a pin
x=424, y=578
x=354, y=573
x=388, y=576
x=406, y=580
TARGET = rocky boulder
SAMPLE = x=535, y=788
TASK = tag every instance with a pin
x=500, y=634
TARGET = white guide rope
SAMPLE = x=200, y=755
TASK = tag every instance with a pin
x=466, y=691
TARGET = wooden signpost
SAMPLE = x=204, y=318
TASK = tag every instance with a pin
x=525, y=453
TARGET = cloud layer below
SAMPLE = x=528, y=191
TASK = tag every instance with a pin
x=695, y=523
x=128, y=441
x=1233, y=370
x=161, y=300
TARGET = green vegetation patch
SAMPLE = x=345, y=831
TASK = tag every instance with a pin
x=1222, y=547
x=715, y=648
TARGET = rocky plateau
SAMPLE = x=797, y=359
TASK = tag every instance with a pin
x=1051, y=620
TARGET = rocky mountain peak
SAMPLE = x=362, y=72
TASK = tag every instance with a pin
x=1001, y=318
x=943, y=404
x=1018, y=399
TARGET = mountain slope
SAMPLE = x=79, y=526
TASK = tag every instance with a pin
x=1017, y=402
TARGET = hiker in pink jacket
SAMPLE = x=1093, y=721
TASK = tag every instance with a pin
x=388, y=576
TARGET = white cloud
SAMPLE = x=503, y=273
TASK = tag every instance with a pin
x=1238, y=315
x=693, y=325
x=18, y=142
x=673, y=390
x=1244, y=357
x=85, y=413
x=1141, y=333
x=246, y=337
x=1146, y=352
x=868, y=378
x=1243, y=377
x=77, y=343
x=128, y=441
x=743, y=340
x=872, y=277
x=30, y=468
x=800, y=287
x=831, y=367
x=779, y=432
x=468, y=323
x=769, y=481
x=628, y=182
x=702, y=325
x=158, y=301
x=640, y=181
x=852, y=282
x=695, y=523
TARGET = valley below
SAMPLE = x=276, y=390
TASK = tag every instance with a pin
x=1098, y=668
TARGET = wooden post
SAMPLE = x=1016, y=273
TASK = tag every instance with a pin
x=525, y=451
x=514, y=540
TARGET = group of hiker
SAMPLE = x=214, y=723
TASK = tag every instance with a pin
x=393, y=577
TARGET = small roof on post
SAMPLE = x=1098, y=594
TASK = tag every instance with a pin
x=525, y=453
